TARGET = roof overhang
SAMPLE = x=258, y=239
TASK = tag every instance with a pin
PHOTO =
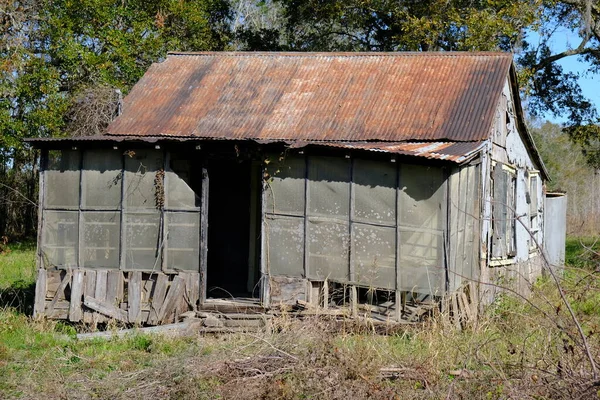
x=455, y=152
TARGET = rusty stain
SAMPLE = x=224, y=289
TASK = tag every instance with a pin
x=317, y=96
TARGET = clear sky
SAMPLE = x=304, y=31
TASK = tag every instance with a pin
x=590, y=83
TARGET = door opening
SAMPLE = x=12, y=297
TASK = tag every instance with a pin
x=232, y=230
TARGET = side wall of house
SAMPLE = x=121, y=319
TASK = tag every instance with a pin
x=512, y=206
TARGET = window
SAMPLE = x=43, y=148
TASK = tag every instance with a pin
x=503, y=208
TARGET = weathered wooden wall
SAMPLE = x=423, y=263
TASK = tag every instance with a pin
x=93, y=296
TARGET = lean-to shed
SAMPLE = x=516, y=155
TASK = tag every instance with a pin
x=379, y=180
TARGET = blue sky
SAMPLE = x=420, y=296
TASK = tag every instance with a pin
x=590, y=83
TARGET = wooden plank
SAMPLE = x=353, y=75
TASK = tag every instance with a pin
x=61, y=290
x=455, y=311
x=39, y=306
x=325, y=294
x=40, y=223
x=173, y=295
x=114, y=287
x=204, y=234
x=89, y=289
x=192, y=289
x=465, y=307
x=134, y=296
x=100, y=292
x=101, y=282
x=75, y=312
x=105, y=308
x=158, y=298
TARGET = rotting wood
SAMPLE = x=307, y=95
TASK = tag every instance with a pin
x=39, y=307
x=100, y=292
x=173, y=295
x=203, y=233
x=60, y=291
x=134, y=297
x=466, y=307
x=455, y=311
x=106, y=309
x=185, y=328
x=101, y=282
x=114, y=287
x=75, y=312
x=192, y=288
x=158, y=298
x=89, y=289
x=53, y=280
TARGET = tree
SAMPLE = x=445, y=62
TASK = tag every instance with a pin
x=64, y=63
x=459, y=25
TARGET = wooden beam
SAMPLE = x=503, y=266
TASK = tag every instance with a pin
x=106, y=309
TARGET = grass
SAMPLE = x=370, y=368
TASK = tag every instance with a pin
x=518, y=349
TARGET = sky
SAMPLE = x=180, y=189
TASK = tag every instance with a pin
x=590, y=84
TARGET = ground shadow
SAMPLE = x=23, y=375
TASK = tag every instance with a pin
x=20, y=296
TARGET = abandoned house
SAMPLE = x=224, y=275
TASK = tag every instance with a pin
x=244, y=181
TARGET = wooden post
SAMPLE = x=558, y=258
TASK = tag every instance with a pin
x=264, y=251
x=39, y=307
x=203, y=234
x=42, y=189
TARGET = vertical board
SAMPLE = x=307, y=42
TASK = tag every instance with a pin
x=75, y=312
x=134, y=296
x=158, y=298
x=39, y=306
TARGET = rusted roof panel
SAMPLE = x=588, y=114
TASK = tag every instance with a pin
x=457, y=152
x=317, y=96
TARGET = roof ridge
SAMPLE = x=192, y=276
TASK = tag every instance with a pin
x=342, y=54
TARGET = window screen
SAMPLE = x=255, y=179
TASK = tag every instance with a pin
x=328, y=247
x=329, y=187
x=182, y=191
x=141, y=188
x=421, y=227
x=285, y=245
x=59, y=238
x=101, y=183
x=62, y=179
x=100, y=241
x=285, y=192
x=142, y=240
x=374, y=255
x=183, y=237
x=375, y=192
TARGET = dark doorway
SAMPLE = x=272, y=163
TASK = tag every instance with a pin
x=230, y=213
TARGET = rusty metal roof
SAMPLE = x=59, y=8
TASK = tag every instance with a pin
x=318, y=96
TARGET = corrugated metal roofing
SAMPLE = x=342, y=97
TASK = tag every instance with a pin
x=450, y=151
x=318, y=96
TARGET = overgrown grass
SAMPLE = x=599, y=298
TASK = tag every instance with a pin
x=518, y=349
